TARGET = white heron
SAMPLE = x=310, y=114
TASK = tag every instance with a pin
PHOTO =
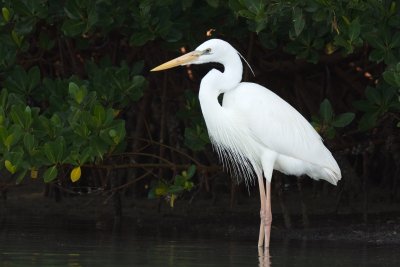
x=255, y=131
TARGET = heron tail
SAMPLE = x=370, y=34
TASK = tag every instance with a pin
x=331, y=176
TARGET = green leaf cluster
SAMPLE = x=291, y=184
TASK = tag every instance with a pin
x=83, y=132
x=170, y=190
x=63, y=93
x=315, y=28
x=326, y=122
x=378, y=101
x=196, y=136
x=79, y=124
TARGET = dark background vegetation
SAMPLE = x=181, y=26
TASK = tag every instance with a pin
x=81, y=116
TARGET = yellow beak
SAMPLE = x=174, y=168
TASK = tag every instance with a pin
x=182, y=60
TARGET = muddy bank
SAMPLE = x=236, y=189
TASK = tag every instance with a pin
x=202, y=217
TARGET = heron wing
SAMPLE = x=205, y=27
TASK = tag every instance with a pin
x=278, y=126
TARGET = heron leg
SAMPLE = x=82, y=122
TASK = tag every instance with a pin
x=263, y=257
x=267, y=215
x=262, y=210
x=267, y=159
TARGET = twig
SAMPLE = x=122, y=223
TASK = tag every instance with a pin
x=173, y=149
x=131, y=182
x=212, y=168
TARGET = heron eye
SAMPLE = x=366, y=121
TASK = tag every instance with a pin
x=207, y=51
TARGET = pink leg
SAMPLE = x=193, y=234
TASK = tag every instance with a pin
x=267, y=215
x=263, y=257
x=262, y=210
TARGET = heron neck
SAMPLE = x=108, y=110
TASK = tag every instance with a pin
x=208, y=94
x=233, y=71
x=216, y=83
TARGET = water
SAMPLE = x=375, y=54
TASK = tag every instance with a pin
x=35, y=246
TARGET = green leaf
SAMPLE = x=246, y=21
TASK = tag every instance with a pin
x=8, y=141
x=392, y=75
x=141, y=38
x=174, y=189
x=112, y=133
x=50, y=154
x=56, y=120
x=388, y=95
x=298, y=20
x=85, y=155
x=25, y=26
x=246, y=14
x=21, y=176
x=326, y=111
x=10, y=167
x=191, y=171
x=188, y=185
x=161, y=190
x=368, y=121
x=179, y=180
x=22, y=116
x=10, y=137
x=343, y=119
x=3, y=98
x=99, y=114
x=92, y=17
x=50, y=174
x=377, y=55
x=174, y=35
x=138, y=82
x=29, y=142
x=34, y=77
x=73, y=10
x=330, y=132
x=31, y=8
x=116, y=132
x=78, y=93
x=354, y=30
x=99, y=147
x=6, y=14
x=17, y=81
x=55, y=150
x=73, y=88
x=17, y=38
x=213, y=3
x=152, y=193
x=3, y=133
x=375, y=40
x=196, y=138
x=186, y=4
x=73, y=27
x=372, y=94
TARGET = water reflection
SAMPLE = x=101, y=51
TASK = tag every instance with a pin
x=75, y=248
x=264, y=258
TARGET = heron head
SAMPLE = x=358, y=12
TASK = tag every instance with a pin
x=214, y=50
